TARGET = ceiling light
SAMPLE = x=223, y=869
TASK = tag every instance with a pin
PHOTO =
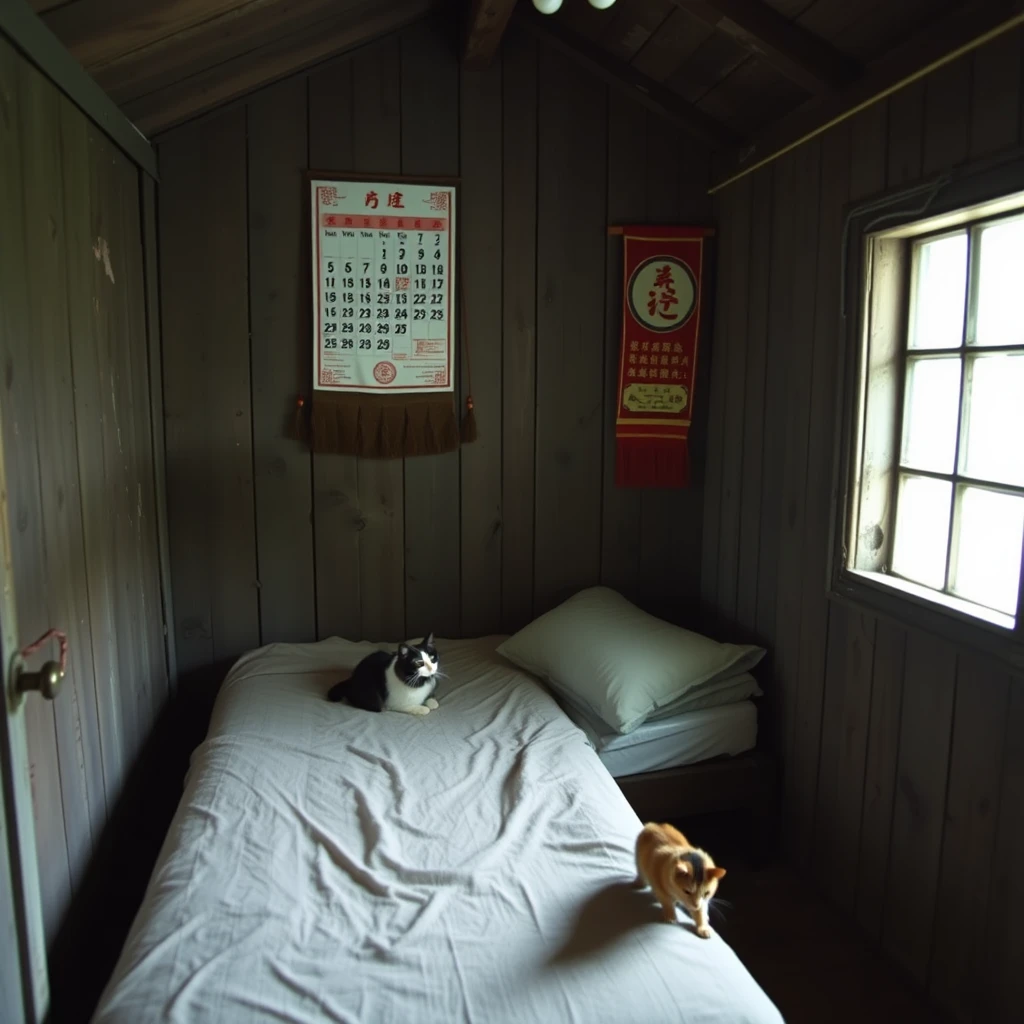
x=549, y=6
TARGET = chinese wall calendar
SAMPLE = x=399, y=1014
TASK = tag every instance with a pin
x=383, y=287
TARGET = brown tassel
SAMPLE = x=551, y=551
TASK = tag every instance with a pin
x=468, y=431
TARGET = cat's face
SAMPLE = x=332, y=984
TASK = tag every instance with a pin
x=419, y=660
x=696, y=879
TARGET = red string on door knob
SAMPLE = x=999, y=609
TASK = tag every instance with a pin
x=50, y=634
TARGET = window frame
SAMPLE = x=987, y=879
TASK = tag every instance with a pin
x=876, y=291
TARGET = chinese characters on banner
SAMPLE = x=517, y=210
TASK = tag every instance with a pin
x=383, y=286
x=662, y=276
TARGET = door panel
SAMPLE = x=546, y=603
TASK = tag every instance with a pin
x=11, y=1005
x=22, y=471
x=24, y=986
x=75, y=421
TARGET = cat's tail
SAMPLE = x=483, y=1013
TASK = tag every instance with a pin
x=337, y=691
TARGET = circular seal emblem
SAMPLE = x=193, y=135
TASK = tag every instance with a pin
x=384, y=372
x=662, y=293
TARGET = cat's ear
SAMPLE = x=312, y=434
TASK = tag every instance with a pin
x=403, y=650
x=716, y=873
x=684, y=869
x=428, y=640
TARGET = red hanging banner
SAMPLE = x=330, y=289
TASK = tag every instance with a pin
x=662, y=276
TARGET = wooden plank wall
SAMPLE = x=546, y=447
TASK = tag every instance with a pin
x=79, y=460
x=271, y=544
x=904, y=791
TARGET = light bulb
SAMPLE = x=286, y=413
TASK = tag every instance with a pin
x=601, y=5
x=548, y=6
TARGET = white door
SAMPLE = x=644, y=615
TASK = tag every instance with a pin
x=24, y=985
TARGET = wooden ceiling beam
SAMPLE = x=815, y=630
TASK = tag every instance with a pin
x=289, y=53
x=485, y=25
x=623, y=76
x=98, y=31
x=237, y=30
x=799, y=55
x=962, y=30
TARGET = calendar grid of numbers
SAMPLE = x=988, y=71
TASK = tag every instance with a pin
x=383, y=289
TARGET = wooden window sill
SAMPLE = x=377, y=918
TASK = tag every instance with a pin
x=917, y=607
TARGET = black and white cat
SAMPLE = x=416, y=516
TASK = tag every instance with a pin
x=385, y=681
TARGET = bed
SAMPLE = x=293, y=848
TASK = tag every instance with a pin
x=326, y=864
x=692, y=737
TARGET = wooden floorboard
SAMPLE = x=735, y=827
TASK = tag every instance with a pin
x=808, y=959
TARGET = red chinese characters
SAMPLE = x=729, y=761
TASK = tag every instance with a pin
x=663, y=294
x=662, y=269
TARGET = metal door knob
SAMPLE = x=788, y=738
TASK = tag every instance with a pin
x=47, y=680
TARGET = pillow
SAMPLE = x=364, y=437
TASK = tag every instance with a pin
x=617, y=662
x=733, y=691
x=715, y=694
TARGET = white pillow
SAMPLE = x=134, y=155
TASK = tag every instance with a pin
x=603, y=653
x=714, y=694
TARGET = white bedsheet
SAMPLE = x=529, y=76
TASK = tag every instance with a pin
x=327, y=864
x=672, y=742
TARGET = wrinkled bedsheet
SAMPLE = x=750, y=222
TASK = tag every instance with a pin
x=328, y=864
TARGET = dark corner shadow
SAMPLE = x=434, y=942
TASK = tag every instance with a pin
x=606, y=918
x=88, y=943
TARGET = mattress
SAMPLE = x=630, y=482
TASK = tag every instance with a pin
x=329, y=864
x=672, y=742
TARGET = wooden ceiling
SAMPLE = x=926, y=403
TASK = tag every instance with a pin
x=724, y=70
x=744, y=63
x=165, y=61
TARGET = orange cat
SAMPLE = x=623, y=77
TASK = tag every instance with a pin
x=677, y=872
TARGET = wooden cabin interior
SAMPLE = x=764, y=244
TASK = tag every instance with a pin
x=169, y=508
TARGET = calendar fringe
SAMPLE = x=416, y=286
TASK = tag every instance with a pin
x=384, y=426
x=652, y=463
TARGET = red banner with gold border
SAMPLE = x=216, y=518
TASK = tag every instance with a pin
x=662, y=277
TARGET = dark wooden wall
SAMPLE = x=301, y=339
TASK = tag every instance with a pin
x=904, y=757
x=269, y=543
x=78, y=448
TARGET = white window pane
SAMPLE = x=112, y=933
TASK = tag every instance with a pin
x=930, y=413
x=937, y=317
x=1000, y=317
x=992, y=436
x=986, y=566
x=922, y=530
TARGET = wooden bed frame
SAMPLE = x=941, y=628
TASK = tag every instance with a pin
x=746, y=783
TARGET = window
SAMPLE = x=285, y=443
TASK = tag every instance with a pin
x=934, y=443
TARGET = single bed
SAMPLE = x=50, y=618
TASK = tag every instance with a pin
x=674, y=742
x=471, y=865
